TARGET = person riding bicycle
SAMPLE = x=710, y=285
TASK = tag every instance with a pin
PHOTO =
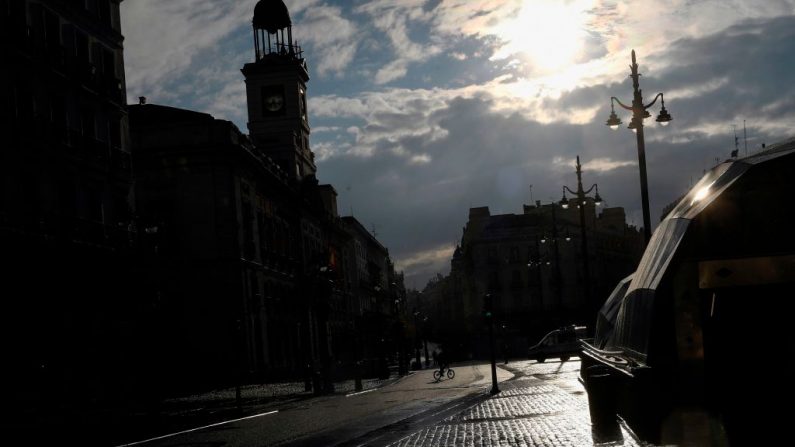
x=443, y=362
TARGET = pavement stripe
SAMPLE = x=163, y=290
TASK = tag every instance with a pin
x=197, y=429
x=360, y=392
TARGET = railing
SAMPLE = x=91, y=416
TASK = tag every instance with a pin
x=74, y=229
x=120, y=160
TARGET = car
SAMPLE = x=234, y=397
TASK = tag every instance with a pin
x=561, y=343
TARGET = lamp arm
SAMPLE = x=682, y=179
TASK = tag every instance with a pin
x=566, y=188
x=590, y=189
x=659, y=95
x=613, y=98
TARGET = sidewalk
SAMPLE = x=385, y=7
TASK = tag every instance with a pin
x=187, y=412
x=543, y=406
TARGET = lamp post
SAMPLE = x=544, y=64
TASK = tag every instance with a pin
x=399, y=331
x=554, y=241
x=581, y=202
x=417, y=342
x=504, y=328
x=324, y=291
x=488, y=308
x=536, y=263
x=425, y=341
x=424, y=330
x=639, y=113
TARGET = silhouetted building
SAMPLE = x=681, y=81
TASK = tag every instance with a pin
x=65, y=216
x=256, y=275
x=376, y=291
x=218, y=219
x=531, y=265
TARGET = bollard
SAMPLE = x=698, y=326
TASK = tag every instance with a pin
x=308, y=378
x=602, y=393
x=317, y=384
x=358, y=376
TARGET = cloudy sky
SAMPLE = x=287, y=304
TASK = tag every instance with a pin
x=421, y=109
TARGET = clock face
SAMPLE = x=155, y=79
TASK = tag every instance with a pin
x=274, y=102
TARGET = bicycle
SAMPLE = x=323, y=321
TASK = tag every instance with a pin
x=437, y=375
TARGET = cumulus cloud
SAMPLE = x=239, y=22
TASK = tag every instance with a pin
x=393, y=120
x=606, y=164
x=320, y=129
x=488, y=154
x=393, y=20
x=331, y=37
x=435, y=259
x=163, y=38
x=601, y=165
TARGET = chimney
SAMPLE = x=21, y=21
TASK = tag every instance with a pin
x=142, y=100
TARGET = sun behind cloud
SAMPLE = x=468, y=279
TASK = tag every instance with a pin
x=549, y=34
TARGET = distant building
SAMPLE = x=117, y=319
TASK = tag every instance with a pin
x=377, y=292
x=66, y=228
x=532, y=266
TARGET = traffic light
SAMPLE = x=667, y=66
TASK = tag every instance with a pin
x=487, y=305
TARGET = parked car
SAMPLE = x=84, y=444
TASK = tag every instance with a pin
x=560, y=343
x=711, y=297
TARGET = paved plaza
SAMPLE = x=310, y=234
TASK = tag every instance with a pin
x=544, y=405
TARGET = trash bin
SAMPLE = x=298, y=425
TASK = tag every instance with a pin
x=602, y=389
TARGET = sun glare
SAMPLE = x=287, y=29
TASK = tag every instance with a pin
x=548, y=33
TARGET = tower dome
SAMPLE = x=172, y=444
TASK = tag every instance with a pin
x=271, y=15
x=271, y=19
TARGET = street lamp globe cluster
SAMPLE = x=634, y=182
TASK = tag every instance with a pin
x=545, y=238
x=640, y=112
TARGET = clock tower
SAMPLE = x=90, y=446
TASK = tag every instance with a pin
x=276, y=90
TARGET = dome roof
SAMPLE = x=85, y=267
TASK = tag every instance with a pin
x=271, y=15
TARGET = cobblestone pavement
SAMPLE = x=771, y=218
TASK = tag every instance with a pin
x=544, y=406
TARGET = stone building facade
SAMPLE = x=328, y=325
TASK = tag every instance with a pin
x=66, y=228
x=532, y=266
x=255, y=268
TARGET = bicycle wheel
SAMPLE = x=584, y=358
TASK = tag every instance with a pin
x=437, y=375
x=450, y=373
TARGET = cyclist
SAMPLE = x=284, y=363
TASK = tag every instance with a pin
x=443, y=363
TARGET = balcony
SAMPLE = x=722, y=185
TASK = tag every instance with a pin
x=114, y=237
x=113, y=88
x=120, y=160
x=77, y=230
x=87, y=73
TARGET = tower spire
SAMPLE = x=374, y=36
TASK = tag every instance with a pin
x=276, y=91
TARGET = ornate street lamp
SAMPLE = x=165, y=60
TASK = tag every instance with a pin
x=581, y=198
x=639, y=113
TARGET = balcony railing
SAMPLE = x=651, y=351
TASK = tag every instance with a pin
x=74, y=229
x=120, y=160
